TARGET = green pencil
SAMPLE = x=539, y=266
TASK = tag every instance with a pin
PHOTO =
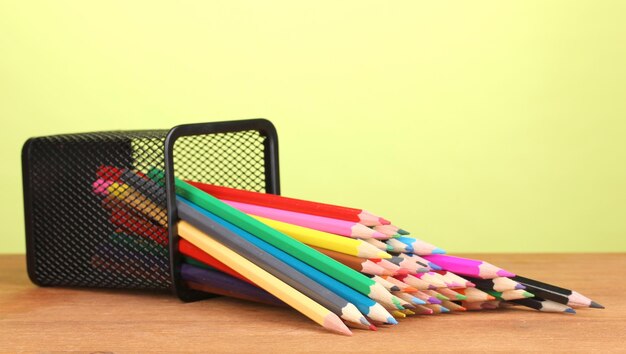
x=323, y=263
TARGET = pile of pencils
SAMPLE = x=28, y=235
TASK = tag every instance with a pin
x=341, y=267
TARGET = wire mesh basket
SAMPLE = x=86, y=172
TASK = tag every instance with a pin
x=94, y=220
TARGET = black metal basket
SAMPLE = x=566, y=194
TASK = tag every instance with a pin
x=80, y=232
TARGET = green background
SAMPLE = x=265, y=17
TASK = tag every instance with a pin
x=480, y=126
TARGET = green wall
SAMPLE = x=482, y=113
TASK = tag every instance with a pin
x=481, y=126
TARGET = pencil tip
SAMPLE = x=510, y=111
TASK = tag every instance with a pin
x=596, y=305
x=418, y=301
x=394, y=288
x=520, y=287
x=444, y=309
x=389, y=248
x=392, y=320
x=469, y=284
x=434, y=266
x=504, y=273
x=527, y=294
x=403, y=232
x=438, y=251
x=373, y=328
x=383, y=255
x=334, y=323
x=570, y=310
x=384, y=221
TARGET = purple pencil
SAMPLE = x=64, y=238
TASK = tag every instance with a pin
x=468, y=267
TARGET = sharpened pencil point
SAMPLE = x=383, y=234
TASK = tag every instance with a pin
x=392, y=321
x=383, y=255
x=504, y=273
x=469, y=284
x=570, y=310
x=444, y=309
x=527, y=294
x=434, y=266
x=520, y=287
x=403, y=232
x=373, y=328
x=417, y=301
x=384, y=221
x=596, y=305
x=434, y=301
x=389, y=248
x=438, y=251
x=379, y=235
x=394, y=288
x=460, y=297
x=334, y=323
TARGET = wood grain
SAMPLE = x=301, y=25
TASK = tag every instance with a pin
x=86, y=320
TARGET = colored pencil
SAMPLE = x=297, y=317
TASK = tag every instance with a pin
x=481, y=305
x=415, y=282
x=409, y=264
x=509, y=294
x=292, y=204
x=312, y=237
x=436, y=294
x=404, y=287
x=544, y=305
x=423, y=310
x=421, y=260
x=429, y=299
x=135, y=200
x=395, y=229
x=420, y=247
x=451, y=294
x=388, y=285
x=452, y=306
x=215, y=282
x=268, y=258
x=363, y=265
x=367, y=306
x=387, y=265
x=397, y=246
x=468, y=267
x=475, y=295
x=334, y=226
x=190, y=250
x=499, y=284
x=432, y=278
x=407, y=312
x=437, y=308
x=398, y=314
x=378, y=244
x=410, y=298
x=387, y=230
x=281, y=241
x=265, y=280
x=557, y=294
x=454, y=281
x=149, y=188
x=137, y=224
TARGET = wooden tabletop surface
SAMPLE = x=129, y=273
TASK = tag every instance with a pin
x=61, y=319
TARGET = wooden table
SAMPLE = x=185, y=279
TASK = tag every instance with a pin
x=57, y=319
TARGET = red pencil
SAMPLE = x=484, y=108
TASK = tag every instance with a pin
x=292, y=204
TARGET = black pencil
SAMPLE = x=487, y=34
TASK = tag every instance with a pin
x=552, y=292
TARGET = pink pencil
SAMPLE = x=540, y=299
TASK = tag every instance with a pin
x=468, y=267
x=334, y=226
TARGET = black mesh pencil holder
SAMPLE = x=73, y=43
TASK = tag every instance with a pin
x=86, y=228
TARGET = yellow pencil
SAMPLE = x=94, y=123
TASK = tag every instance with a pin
x=326, y=240
x=138, y=201
x=263, y=279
